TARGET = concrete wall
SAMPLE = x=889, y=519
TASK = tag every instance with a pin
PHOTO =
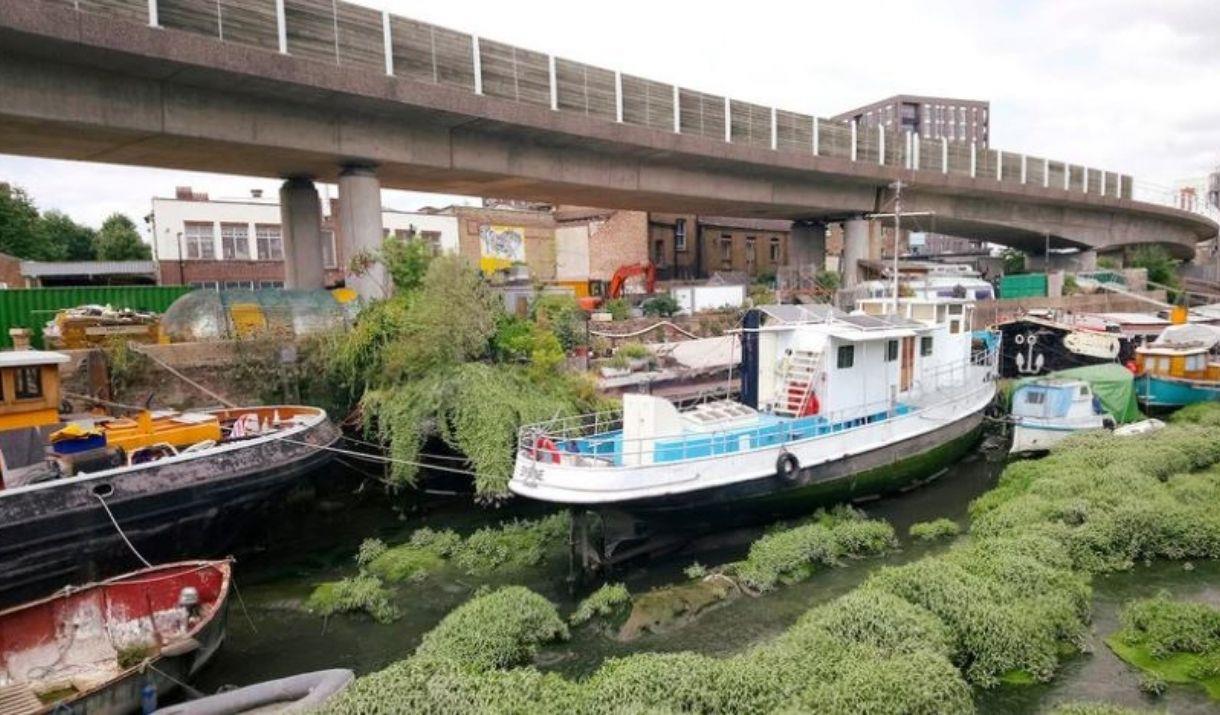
x=572, y=252
x=538, y=228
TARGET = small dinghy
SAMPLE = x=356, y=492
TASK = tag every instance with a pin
x=105, y=648
x=297, y=693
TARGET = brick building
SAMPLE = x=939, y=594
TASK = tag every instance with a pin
x=929, y=117
x=686, y=247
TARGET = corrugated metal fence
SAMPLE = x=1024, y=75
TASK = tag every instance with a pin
x=33, y=307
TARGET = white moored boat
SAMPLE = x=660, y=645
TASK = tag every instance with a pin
x=1048, y=410
x=833, y=406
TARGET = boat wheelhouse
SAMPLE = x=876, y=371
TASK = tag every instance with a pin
x=1180, y=367
x=832, y=406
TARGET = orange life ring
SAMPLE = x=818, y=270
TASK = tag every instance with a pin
x=546, y=446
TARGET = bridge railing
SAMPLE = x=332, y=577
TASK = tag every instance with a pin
x=348, y=34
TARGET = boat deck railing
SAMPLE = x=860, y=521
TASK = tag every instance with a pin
x=596, y=439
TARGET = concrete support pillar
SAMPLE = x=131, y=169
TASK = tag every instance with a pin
x=360, y=226
x=855, y=249
x=301, y=230
x=807, y=246
x=1086, y=260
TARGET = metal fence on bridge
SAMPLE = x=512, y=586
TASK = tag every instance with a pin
x=347, y=34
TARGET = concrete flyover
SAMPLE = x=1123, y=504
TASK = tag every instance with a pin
x=324, y=90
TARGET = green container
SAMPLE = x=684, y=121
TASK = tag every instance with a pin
x=1024, y=285
x=32, y=307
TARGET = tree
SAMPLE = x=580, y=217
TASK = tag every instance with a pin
x=119, y=241
x=1014, y=261
x=19, y=224
x=1162, y=268
x=65, y=238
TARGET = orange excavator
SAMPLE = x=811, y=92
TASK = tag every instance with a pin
x=619, y=280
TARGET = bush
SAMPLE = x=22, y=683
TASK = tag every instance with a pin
x=695, y=571
x=663, y=305
x=358, y=593
x=608, y=600
x=935, y=530
x=1165, y=626
x=497, y=630
x=562, y=315
x=794, y=554
x=618, y=309
x=633, y=351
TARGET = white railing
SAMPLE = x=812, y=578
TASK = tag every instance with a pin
x=553, y=441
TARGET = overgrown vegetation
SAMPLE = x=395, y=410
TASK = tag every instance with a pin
x=1162, y=268
x=1005, y=605
x=363, y=592
x=618, y=309
x=664, y=306
x=610, y=599
x=794, y=554
x=441, y=358
x=935, y=530
x=1171, y=641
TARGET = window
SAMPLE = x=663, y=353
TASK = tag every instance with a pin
x=235, y=241
x=200, y=241
x=432, y=239
x=1035, y=397
x=239, y=285
x=891, y=350
x=658, y=252
x=1195, y=363
x=775, y=249
x=847, y=356
x=270, y=243
x=403, y=234
x=328, y=249
x=726, y=249
x=750, y=252
x=1084, y=390
x=955, y=326
x=28, y=381
x=680, y=234
x=925, y=345
x=270, y=284
x=212, y=285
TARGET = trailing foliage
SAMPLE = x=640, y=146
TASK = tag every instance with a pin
x=476, y=408
x=363, y=592
x=794, y=554
x=935, y=530
x=608, y=600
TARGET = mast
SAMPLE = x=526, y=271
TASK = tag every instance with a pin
x=897, y=186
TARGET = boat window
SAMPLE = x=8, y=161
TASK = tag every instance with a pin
x=1035, y=397
x=1084, y=390
x=925, y=345
x=847, y=356
x=955, y=326
x=28, y=382
x=891, y=350
x=955, y=309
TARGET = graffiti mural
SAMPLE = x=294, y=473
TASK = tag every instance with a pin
x=500, y=247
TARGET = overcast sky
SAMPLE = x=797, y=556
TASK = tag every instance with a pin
x=1126, y=85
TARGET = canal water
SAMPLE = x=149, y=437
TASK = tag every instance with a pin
x=315, y=541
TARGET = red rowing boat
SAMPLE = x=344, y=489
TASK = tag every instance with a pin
x=92, y=650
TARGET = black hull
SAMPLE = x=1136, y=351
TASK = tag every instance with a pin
x=858, y=477
x=60, y=535
x=1050, y=348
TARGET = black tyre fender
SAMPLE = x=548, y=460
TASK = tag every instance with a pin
x=787, y=466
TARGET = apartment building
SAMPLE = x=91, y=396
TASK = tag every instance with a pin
x=237, y=242
x=686, y=246
x=966, y=120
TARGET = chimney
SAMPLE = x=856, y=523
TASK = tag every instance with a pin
x=184, y=193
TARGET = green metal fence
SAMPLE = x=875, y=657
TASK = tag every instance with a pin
x=1023, y=285
x=33, y=307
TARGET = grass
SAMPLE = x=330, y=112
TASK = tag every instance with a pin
x=610, y=599
x=1171, y=641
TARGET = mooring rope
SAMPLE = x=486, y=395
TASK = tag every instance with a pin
x=641, y=331
x=119, y=529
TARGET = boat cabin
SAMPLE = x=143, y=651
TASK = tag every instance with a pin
x=1183, y=351
x=29, y=388
x=1055, y=400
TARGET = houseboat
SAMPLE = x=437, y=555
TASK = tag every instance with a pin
x=1179, y=368
x=833, y=407
x=110, y=648
x=79, y=492
x=1045, y=341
